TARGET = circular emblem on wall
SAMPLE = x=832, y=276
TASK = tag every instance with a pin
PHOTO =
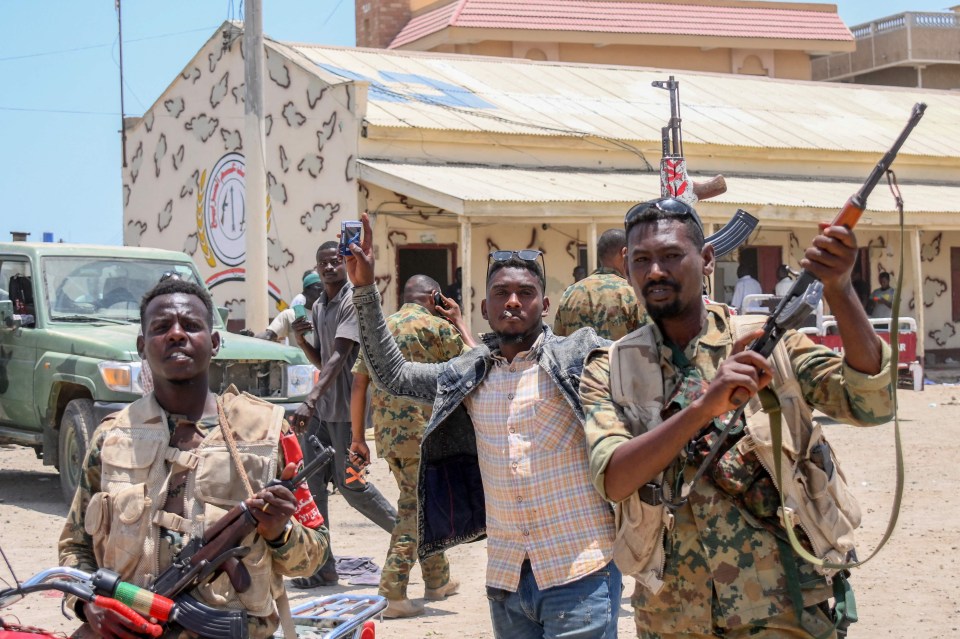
x=224, y=210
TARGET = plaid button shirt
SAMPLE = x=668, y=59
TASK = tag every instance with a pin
x=533, y=459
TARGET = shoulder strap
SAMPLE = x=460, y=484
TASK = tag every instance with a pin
x=783, y=370
x=232, y=445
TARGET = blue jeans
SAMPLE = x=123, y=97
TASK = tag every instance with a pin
x=584, y=609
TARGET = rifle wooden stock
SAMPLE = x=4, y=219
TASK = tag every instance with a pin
x=205, y=555
x=713, y=187
x=849, y=214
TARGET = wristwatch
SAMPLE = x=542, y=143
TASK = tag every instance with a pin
x=283, y=538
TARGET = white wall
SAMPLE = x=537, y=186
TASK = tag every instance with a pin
x=311, y=144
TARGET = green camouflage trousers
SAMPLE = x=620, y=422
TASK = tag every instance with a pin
x=782, y=626
x=402, y=553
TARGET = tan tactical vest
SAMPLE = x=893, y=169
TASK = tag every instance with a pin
x=636, y=387
x=125, y=517
x=822, y=505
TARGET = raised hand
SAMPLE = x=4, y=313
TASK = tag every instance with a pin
x=361, y=264
x=831, y=258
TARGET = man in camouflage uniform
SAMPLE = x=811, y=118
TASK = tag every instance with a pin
x=398, y=427
x=131, y=467
x=604, y=300
x=724, y=574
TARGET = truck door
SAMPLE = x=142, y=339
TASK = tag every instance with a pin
x=18, y=350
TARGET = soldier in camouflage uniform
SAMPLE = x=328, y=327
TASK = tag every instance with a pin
x=604, y=300
x=398, y=426
x=102, y=530
x=724, y=574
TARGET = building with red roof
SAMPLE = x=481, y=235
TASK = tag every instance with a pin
x=775, y=39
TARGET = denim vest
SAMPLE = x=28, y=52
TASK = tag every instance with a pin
x=450, y=502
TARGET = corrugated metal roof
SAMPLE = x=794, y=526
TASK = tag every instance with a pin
x=482, y=94
x=629, y=17
x=459, y=188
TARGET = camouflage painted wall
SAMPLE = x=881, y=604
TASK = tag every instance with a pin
x=942, y=331
x=183, y=187
x=401, y=221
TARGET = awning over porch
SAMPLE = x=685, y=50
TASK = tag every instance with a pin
x=510, y=193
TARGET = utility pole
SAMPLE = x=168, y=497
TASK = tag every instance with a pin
x=257, y=316
x=123, y=124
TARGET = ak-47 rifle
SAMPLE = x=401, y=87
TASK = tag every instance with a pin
x=805, y=294
x=807, y=291
x=675, y=182
x=220, y=550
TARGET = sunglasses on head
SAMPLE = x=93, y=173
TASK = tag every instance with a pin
x=671, y=206
x=527, y=255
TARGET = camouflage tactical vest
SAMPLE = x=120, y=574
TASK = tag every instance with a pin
x=125, y=517
x=815, y=492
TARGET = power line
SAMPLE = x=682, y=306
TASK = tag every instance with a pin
x=330, y=15
x=101, y=46
x=67, y=111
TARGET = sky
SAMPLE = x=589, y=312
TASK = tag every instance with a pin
x=60, y=96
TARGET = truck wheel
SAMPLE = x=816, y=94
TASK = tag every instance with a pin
x=76, y=426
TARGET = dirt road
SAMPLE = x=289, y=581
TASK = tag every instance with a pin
x=910, y=590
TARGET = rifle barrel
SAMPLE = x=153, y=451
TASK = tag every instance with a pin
x=848, y=216
x=859, y=199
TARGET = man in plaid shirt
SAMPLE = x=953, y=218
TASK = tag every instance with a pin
x=504, y=454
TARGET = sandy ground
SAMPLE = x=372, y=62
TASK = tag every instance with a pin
x=910, y=589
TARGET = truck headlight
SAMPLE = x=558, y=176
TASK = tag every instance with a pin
x=123, y=377
x=299, y=379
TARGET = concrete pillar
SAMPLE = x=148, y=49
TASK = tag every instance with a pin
x=466, y=231
x=913, y=258
x=712, y=285
x=592, y=247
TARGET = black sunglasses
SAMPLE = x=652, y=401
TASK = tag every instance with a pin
x=527, y=255
x=671, y=206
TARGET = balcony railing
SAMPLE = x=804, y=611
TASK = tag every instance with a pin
x=904, y=39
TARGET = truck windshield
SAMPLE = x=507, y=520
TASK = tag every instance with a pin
x=109, y=289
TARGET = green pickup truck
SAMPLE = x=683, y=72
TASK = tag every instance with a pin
x=69, y=319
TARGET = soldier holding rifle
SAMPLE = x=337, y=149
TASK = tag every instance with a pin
x=724, y=571
x=162, y=470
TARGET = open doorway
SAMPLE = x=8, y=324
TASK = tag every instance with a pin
x=436, y=260
x=763, y=262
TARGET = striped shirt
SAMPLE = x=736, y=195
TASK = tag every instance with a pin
x=533, y=459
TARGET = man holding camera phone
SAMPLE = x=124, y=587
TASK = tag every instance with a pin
x=428, y=328
x=326, y=411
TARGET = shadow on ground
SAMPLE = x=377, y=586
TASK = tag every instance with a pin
x=36, y=490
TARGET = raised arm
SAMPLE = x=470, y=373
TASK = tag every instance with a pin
x=856, y=388
x=385, y=363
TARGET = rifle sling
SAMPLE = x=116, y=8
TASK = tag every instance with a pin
x=776, y=431
x=283, y=602
x=232, y=445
